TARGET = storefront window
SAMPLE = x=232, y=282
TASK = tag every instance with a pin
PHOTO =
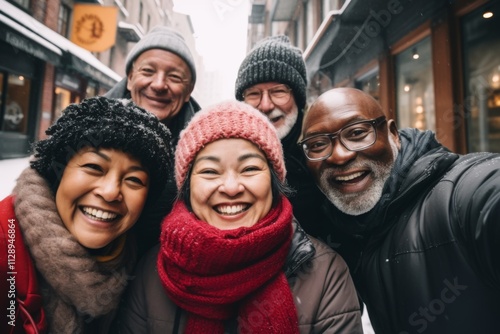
x=1, y=94
x=67, y=91
x=481, y=43
x=415, y=87
x=369, y=83
x=16, y=107
x=62, y=100
x=91, y=90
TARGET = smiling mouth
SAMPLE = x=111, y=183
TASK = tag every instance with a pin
x=100, y=215
x=352, y=178
x=231, y=210
x=157, y=98
x=275, y=119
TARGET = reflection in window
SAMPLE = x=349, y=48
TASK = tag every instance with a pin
x=91, y=90
x=369, y=83
x=482, y=79
x=62, y=100
x=17, y=99
x=415, y=87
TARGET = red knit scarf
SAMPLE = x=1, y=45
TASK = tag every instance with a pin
x=220, y=274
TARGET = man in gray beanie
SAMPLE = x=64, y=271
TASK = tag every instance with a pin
x=160, y=78
x=272, y=78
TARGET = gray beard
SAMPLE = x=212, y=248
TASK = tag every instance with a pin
x=290, y=121
x=362, y=202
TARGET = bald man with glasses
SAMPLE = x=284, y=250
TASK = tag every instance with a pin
x=418, y=225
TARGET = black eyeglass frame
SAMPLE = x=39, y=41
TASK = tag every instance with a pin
x=374, y=122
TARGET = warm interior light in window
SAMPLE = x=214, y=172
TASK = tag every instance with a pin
x=488, y=14
x=21, y=78
x=495, y=81
x=415, y=54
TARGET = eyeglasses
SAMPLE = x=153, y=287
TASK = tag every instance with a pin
x=279, y=95
x=356, y=136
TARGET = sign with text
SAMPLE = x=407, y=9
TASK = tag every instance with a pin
x=94, y=26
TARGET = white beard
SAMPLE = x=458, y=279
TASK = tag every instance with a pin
x=362, y=202
x=289, y=119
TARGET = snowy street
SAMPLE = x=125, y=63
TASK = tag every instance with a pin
x=9, y=171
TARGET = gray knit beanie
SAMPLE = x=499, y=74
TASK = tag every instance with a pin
x=274, y=59
x=165, y=38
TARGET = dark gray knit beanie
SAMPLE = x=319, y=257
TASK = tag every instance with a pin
x=274, y=59
x=165, y=38
x=101, y=122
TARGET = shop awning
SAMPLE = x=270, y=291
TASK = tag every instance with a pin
x=333, y=38
x=343, y=31
x=321, y=42
x=74, y=56
x=24, y=39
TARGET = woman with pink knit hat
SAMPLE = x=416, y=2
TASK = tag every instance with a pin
x=232, y=258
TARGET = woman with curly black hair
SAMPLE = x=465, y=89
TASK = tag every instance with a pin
x=65, y=247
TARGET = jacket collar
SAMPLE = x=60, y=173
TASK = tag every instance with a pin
x=301, y=250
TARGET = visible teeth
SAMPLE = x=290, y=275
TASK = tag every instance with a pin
x=348, y=177
x=99, y=214
x=231, y=209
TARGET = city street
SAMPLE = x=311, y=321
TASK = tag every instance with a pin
x=371, y=91
x=9, y=171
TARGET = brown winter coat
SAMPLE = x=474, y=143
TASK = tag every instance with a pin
x=323, y=291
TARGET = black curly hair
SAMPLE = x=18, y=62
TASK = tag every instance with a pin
x=102, y=122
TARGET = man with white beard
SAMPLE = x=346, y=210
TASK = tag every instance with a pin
x=417, y=224
x=272, y=78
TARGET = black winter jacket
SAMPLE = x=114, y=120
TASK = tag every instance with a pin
x=426, y=258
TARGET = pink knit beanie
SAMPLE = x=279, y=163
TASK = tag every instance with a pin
x=229, y=119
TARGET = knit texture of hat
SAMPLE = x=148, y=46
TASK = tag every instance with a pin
x=229, y=119
x=165, y=38
x=274, y=59
x=106, y=123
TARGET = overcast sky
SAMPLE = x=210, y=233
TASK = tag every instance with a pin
x=220, y=32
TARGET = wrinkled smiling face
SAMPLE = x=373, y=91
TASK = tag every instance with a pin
x=352, y=180
x=160, y=82
x=101, y=195
x=232, y=183
x=282, y=116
